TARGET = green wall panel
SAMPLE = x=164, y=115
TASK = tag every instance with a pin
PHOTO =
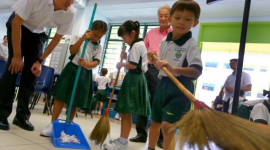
x=258, y=32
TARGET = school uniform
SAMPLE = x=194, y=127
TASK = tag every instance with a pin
x=133, y=97
x=102, y=82
x=152, y=41
x=39, y=15
x=170, y=104
x=246, y=107
x=65, y=83
x=261, y=113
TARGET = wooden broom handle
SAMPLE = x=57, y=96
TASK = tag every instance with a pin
x=177, y=83
x=118, y=72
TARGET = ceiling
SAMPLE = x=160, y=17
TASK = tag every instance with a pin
x=146, y=10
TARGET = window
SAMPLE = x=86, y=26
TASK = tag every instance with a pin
x=260, y=94
x=51, y=33
x=114, y=45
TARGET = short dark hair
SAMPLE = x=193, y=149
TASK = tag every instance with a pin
x=5, y=36
x=104, y=71
x=189, y=5
x=235, y=60
x=128, y=26
x=99, y=25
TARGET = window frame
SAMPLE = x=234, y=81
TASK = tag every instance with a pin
x=108, y=39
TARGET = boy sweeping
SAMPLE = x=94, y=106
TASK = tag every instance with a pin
x=180, y=54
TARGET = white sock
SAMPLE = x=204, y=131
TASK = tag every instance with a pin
x=123, y=141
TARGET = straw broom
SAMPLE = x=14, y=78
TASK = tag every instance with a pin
x=203, y=124
x=102, y=128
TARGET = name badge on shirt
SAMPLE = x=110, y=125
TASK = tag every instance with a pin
x=95, y=47
x=178, y=53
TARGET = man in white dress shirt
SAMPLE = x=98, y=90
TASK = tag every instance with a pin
x=26, y=39
x=230, y=83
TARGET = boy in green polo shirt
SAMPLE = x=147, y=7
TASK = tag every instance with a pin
x=180, y=54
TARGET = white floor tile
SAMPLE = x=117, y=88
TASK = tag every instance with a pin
x=24, y=147
x=15, y=137
x=10, y=139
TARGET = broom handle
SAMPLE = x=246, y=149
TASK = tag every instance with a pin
x=177, y=83
x=118, y=72
x=79, y=68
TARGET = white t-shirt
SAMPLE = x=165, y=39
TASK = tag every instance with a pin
x=261, y=113
x=138, y=51
x=3, y=50
x=39, y=15
x=102, y=81
x=230, y=82
x=183, y=52
x=92, y=52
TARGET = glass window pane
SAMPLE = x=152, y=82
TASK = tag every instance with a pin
x=151, y=27
x=114, y=35
x=114, y=47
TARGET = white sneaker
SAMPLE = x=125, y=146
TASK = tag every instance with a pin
x=99, y=112
x=96, y=112
x=117, y=116
x=115, y=145
x=93, y=112
x=47, y=131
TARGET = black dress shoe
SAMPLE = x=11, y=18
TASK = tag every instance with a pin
x=138, y=139
x=24, y=124
x=160, y=143
x=4, y=124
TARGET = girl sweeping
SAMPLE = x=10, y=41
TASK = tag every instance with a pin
x=101, y=94
x=63, y=88
x=133, y=96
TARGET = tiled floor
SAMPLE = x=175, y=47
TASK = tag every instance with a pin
x=19, y=139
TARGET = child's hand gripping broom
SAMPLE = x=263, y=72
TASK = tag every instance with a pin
x=203, y=125
x=102, y=128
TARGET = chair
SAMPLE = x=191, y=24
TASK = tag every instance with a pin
x=17, y=85
x=55, y=78
x=94, y=85
x=2, y=67
x=44, y=85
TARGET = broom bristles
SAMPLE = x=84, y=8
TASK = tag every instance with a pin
x=101, y=130
x=201, y=126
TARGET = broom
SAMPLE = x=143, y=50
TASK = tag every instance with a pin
x=102, y=128
x=203, y=125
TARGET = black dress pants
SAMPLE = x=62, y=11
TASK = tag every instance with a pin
x=32, y=45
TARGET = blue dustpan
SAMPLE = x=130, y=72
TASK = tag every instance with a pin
x=69, y=127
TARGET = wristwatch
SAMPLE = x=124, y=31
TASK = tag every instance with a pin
x=40, y=60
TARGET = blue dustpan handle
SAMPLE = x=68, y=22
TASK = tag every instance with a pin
x=79, y=68
x=58, y=120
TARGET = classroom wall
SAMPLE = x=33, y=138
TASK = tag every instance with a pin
x=196, y=30
x=3, y=29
